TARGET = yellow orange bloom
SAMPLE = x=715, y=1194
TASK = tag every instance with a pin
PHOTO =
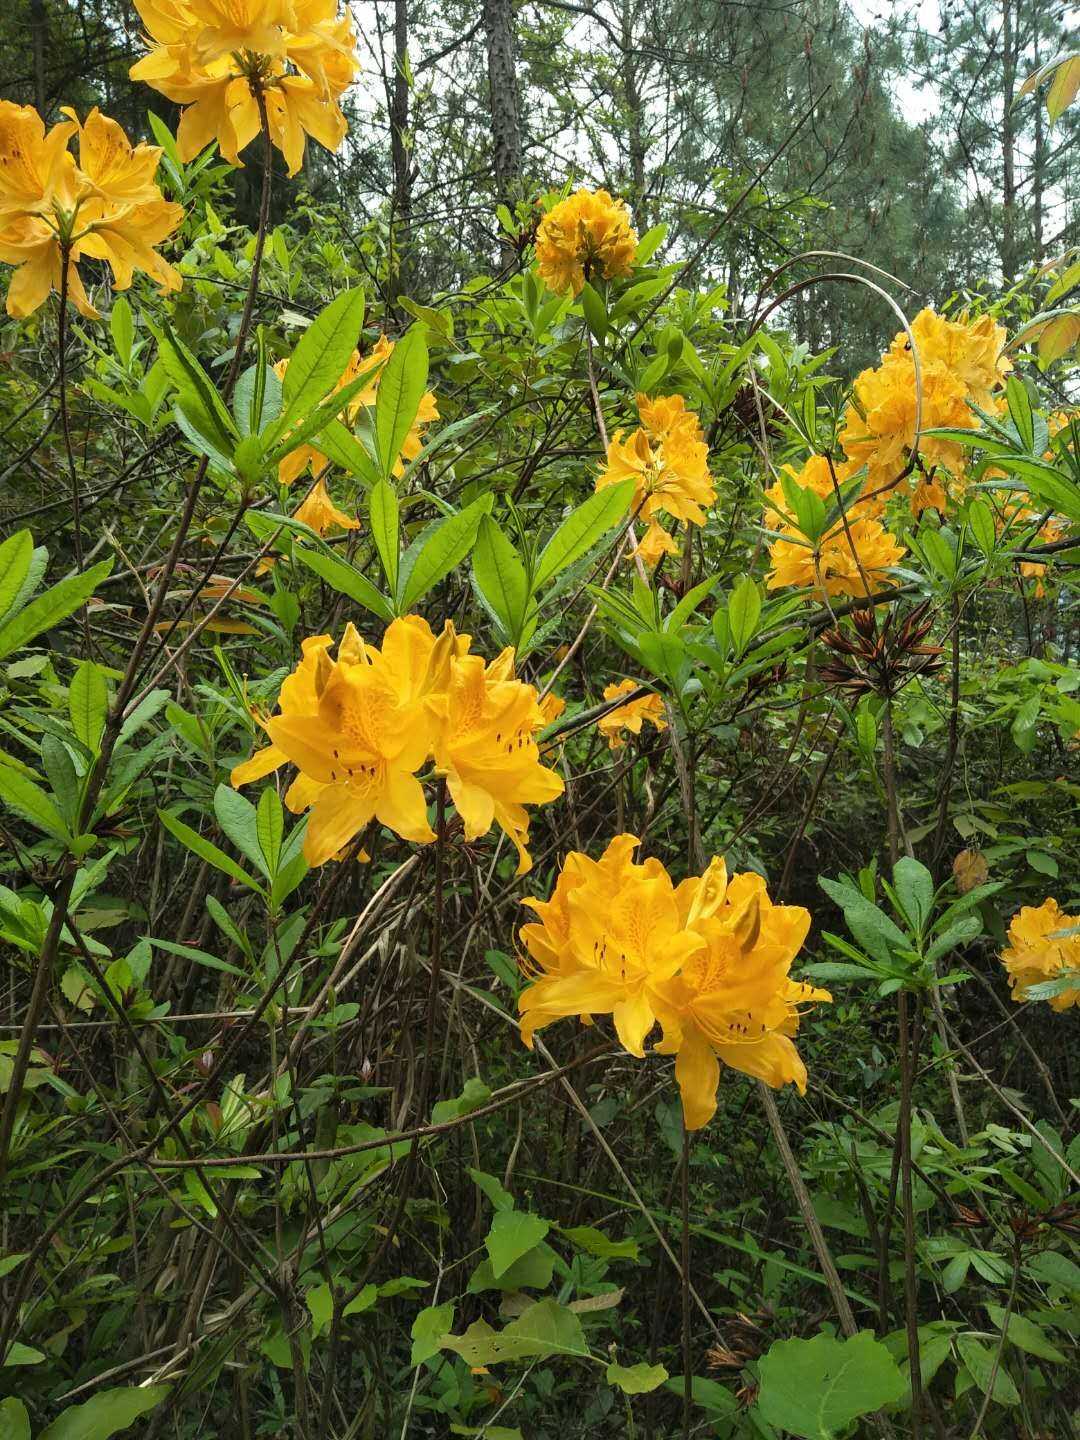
x=551, y=707
x=107, y=207
x=832, y=568
x=319, y=511
x=215, y=57
x=709, y=959
x=961, y=363
x=654, y=544
x=733, y=1000
x=667, y=459
x=630, y=716
x=816, y=475
x=1044, y=943
x=610, y=932
x=586, y=235
x=486, y=748
x=307, y=457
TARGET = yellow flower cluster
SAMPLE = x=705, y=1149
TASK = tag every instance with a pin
x=1044, y=943
x=630, y=716
x=961, y=361
x=56, y=212
x=220, y=58
x=851, y=558
x=359, y=725
x=668, y=460
x=586, y=235
x=708, y=959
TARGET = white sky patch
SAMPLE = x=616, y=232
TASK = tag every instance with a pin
x=915, y=102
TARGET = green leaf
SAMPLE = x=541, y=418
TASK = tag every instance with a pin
x=637, y=1379
x=270, y=827
x=401, y=388
x=19, y=1354
x=15, y=555
x=340, y=445
x=513, y=1233
x=48, y=610
x=980, y=519
x=237, y=817
x=88, y=700
x=979, y=1361
x=914, y=888
x=346, y=579
x=595, y=311
x=207, y=851
x=500, y=1198
x=189, y=952
x=1019, y=403
x=501, y=577
x=744, y=612
x=385, y=531
x=32, y=803
x=122, y=330
x=439, y=550
x=532, y=1271
x=14, y=1421
x=595, y=1242
x=364, y=1301
x=428, y=1329
x=545, y=1329
x=815, y=1388
x=321, y=355
x=1024, y=723
x=582, y=528
x=105, y=1414
x=709, y=1394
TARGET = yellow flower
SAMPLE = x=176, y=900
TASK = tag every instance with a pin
x=630, y=716
x=654, y=544
x=107, y=207
x=668, y=460
x=960, y=362
x=307, y=457
x=551, y=707
x=733, y=1000
x=1044, y=942
x=319, y=511
x=357, y=728
x=609, y=933
x=486, y=748
x=832, y=568
x=214, y=57
x=584, y=235
x=816, y=475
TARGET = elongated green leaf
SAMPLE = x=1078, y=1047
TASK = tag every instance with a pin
x=581, y=530
x=197, y=393
x=207, y=851
x=385, y=531
x=88, y=700
x=1046, y=483
x=49, y=609
x=14, y=1421
x=32, y=803
x=105, y=1414
x=500, y=576
x=320, y=357
x=15, y=555
x=339, y=444
x=744, y=612
x=346, y=579
x=445, y=546
x=238, y=818
x=270, y=827
x=189, y=952
x=401, y=388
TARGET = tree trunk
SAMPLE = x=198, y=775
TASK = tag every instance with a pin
x=1008, y=144
x=401, y=204
x=38, y=38
x=503, y=102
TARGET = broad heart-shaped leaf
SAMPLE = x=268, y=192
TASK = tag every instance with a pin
x=15, y=555
x=321, y=355
x=513, y=1233
x=816, y=1387
x=636, y=1379
x=401, y=388
x=533, y=1271
x=432, y=556
x=582, y=528
x=544, y=1329
x=428, y=1329
x=500, y=576
x=342, y=576
x=49, y=609
x=105, y=1414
